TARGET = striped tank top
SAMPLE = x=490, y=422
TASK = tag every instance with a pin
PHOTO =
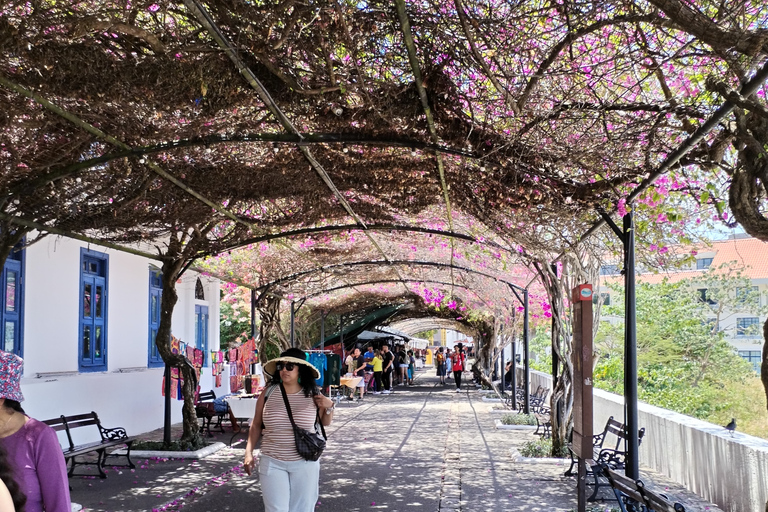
x=278, y=441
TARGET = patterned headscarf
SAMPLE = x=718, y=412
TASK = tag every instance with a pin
x=10, y=376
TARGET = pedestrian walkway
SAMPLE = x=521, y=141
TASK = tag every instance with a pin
x=423, y=448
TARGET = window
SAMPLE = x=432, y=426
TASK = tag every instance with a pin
x=703, y=263
x=11, y=294
x=753, y=356
x=201, y=331
x=748, y=327
x=609, y=270
x=704, y=296
x=93, y=311
x=155, y=296
x=199, y=290
x=605, y=298
x=748, y=296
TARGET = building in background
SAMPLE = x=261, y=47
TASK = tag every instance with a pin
x=84, y=319
x=743, y=328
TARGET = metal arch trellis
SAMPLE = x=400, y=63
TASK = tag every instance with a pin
x=371, y=227
x=325, y=268
x=302, y=139
x=204, y=18
x=627, y=237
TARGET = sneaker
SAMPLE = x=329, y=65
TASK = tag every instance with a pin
x=458, y=390
x=386, y=392
x=377, y=392
x=350, y=398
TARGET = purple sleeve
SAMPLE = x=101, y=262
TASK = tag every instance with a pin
x=52, y=471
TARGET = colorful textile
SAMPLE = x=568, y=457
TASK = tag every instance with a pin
x=10, y=376
x=319, y=361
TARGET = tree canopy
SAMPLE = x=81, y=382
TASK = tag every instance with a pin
x=421, y=144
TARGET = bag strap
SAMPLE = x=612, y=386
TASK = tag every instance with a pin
x=290, y=414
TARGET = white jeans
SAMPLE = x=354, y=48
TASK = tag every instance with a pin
x=289, y=486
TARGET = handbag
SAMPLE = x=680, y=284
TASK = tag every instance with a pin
x=309, y=444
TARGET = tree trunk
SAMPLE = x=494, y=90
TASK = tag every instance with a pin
x=269, y=314
x=171, y=272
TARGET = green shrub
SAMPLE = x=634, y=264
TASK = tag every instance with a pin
x=541, y=448
x=518, y=419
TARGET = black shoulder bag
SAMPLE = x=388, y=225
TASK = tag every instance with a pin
x=309, y=444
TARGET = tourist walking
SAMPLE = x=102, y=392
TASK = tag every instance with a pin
x=440, y=365
x=378, y=367
x=289, y=483
x=386, y=375
x=411, y=367
x=458, y=362
x=32, y=448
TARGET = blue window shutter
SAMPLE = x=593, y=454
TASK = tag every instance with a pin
x=155, y=298
x=201, y=331
x=92, y=328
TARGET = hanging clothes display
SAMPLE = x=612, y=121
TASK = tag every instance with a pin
x=332, y=375
x=217, y=366
x=319, y=361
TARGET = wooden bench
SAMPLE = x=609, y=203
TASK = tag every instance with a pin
x=632, y=495
x=612, y=455
x=110, y=437
x=205, y=410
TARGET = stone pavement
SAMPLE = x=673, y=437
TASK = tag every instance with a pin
x=423, y=448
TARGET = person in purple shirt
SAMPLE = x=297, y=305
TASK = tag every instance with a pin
x=33, y=449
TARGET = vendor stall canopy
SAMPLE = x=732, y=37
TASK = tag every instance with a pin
x=354, y=154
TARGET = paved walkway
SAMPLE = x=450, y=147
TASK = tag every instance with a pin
x=423, y=448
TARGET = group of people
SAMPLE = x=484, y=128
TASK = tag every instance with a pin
x=456, y=361
x=381, y=369
x=33, y=474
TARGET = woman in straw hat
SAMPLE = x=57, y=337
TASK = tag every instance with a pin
x=288, y=482
x=33, y=449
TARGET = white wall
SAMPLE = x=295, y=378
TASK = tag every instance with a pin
x=730, y=471
x=128, y=394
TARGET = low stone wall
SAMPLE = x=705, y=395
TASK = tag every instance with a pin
x=730, y=471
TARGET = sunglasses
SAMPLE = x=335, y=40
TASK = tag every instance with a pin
x=285, y=366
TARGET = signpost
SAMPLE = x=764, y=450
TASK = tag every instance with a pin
x=581, y=298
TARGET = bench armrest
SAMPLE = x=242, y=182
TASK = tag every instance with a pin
x=612, y=458
x=113, y=434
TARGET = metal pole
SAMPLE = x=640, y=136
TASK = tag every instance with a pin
x=526, y=362
x=341, y=337
x=513, y=384
x=322, y=330
x=167, y=418
x=293, y=324
x=253, y=313
x=630, y=350
x=503, y=369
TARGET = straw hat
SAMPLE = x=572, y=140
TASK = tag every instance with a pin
x=10, y=376
x=292, y=355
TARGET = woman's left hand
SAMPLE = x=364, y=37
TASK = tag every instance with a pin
x=322, y=401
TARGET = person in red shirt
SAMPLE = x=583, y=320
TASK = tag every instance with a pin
x=458, y=363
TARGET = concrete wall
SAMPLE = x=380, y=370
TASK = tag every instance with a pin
x=730, y=471
x=128, y=394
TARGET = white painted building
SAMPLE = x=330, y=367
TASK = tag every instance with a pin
x=82, y=317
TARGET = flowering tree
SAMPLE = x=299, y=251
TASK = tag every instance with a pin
x=349, y=152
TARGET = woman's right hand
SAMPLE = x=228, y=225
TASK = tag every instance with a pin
x=249, y=462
